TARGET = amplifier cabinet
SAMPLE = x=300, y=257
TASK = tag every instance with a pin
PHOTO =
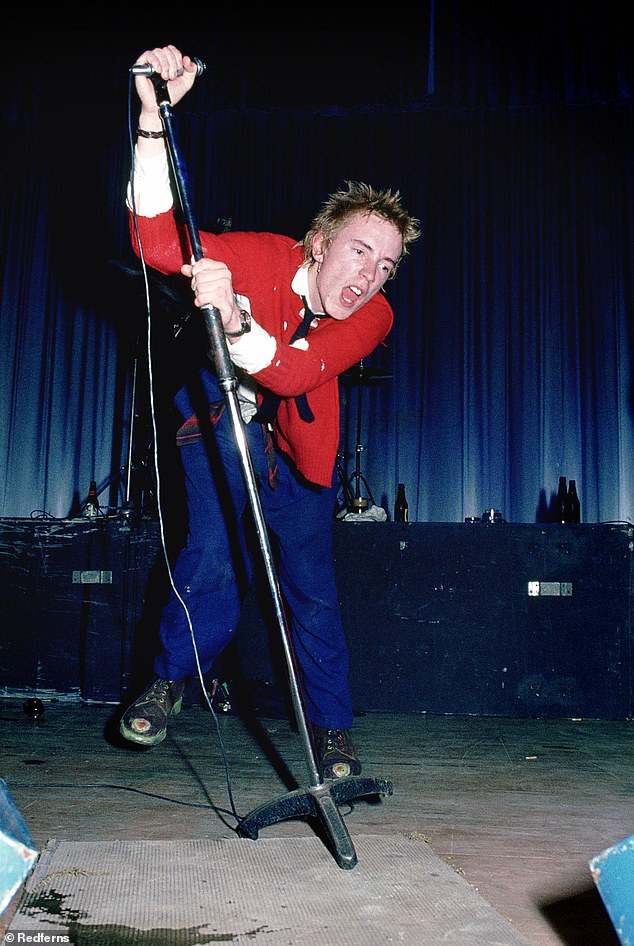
x=76, y=596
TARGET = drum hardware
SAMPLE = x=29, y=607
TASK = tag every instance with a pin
x=355, y=501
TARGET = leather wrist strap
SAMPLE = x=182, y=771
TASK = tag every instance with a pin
x=142, y=133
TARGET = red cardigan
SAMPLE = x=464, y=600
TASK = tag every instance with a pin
x=263, y=266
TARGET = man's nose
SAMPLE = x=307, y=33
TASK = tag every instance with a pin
x=369, y=270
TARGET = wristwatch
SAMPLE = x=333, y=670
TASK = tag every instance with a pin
x=245, y=325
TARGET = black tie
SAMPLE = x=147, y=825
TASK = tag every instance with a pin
x=270, y=402
x=302, y=330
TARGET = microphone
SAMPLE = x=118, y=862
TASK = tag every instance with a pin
x=146, y=69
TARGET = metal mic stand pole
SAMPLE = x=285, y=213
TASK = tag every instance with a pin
x=318, y=799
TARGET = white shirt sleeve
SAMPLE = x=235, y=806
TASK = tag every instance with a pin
x=253, y=351
x=152, y=188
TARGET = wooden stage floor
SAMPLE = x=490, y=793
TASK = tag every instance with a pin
x=516, y=806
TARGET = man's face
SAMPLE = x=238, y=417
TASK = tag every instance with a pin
x=360, y=258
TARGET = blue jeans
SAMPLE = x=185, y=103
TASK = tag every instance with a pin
x=212, y=571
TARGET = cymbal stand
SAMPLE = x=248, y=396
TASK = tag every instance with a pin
x=319, y=799
x=359, y=502
x=345, y=501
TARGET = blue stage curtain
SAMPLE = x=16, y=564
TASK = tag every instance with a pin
x=510, y=362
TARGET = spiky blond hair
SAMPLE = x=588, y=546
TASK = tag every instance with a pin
x=360, y=198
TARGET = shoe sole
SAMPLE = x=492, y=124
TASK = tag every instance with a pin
x=142, y=740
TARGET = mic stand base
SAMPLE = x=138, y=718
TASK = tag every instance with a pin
x=320, y=802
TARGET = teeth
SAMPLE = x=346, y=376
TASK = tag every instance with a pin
x=356, y=291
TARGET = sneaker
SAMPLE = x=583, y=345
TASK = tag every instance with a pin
x=145, y=721
x=336, y=755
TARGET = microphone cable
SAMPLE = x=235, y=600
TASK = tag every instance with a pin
x=152, y=407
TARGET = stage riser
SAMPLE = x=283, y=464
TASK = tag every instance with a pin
x=490, y=619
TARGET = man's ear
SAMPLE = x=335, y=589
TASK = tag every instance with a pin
x=318, y=247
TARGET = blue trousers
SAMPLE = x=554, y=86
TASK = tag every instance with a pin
x=211, y=570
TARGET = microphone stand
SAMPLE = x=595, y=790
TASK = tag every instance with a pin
x=318, y=799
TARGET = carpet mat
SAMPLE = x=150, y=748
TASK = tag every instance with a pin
x=269, y=892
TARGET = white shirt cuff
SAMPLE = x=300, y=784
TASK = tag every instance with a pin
x=254, y=351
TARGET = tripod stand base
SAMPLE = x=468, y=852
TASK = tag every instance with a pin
x=321, y=802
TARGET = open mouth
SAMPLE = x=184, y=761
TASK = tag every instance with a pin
x=351, y=295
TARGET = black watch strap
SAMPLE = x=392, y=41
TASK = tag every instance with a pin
x=245, y=325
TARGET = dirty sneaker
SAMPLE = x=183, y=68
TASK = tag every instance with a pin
x=336, y=756
x=145, y=722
